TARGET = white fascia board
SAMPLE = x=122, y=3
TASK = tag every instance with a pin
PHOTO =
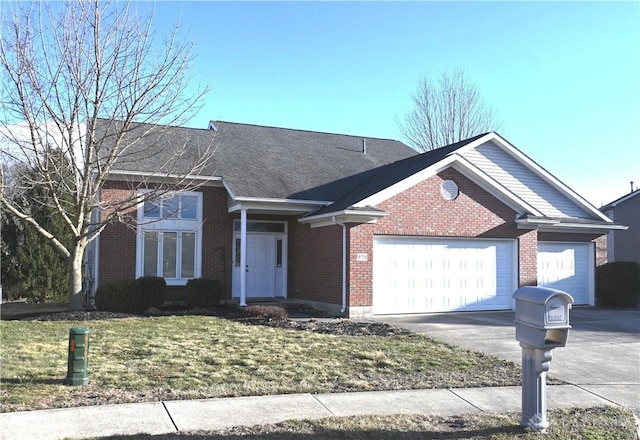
x=343, y=217
x=405, y=184
x=535, y=223
x=544, y=174
x=128, y=175
x=463, y=166
x=582, y=228
x=229, y=190
x=274, y=205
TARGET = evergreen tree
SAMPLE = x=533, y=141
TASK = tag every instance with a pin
x=32, y=267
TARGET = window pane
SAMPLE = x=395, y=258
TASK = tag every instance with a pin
x=278, y=253
x=238, y=252
x=151, y=209
x=169, y=245
x=253, y=226
x=189, y=207
x=150, y=263
x=188, y=255
x=170, y=207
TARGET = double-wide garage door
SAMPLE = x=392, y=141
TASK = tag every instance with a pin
x=420, y=275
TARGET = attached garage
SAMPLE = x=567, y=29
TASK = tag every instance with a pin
x=423, y=274
x=567, y=267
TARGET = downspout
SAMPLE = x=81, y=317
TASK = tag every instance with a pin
x=344, y=264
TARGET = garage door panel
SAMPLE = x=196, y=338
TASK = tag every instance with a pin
x=442, y=275
x=567, y=267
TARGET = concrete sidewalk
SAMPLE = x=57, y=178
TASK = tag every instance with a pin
x=213, y=414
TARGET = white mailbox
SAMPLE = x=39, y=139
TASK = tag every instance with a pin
x=542, y=316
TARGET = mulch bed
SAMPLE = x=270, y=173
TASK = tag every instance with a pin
x=334, y=326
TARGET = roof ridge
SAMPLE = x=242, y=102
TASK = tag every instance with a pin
x=304, y=130
x=180, y=127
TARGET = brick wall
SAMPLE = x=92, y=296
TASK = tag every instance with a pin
x=217, y=236
x=315, y=263
x=117, y=251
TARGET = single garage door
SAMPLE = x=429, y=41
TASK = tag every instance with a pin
x=567, y=267
x=420, y=275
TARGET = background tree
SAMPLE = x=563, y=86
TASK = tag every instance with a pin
x=66, y=66
x=446, y=111
x=32, y=267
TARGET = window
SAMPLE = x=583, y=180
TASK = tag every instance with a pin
x=254, y=226
x=169, y=254
x=169, y=246
x=279, y=252
x=178, y=206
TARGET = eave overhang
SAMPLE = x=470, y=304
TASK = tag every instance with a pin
x=349, y=215
x=256, y=205
x=567, y=225
x=190, y=179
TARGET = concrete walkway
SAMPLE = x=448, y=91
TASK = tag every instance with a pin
x=214, y=414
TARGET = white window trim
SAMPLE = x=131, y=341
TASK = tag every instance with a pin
x=170, y=225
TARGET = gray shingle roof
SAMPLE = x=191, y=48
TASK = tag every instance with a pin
x=374, y=181
x=267, y=162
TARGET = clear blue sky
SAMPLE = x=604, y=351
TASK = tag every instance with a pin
x=564, y=77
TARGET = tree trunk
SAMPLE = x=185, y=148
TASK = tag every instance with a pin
x=76, y=295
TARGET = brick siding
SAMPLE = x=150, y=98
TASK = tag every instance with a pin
x=315, y=263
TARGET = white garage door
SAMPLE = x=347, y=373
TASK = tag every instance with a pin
x=567, y=267
x=419, y=275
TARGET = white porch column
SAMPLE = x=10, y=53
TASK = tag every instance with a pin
x=243, y=257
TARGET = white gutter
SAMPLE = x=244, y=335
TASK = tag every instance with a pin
x=121, y=175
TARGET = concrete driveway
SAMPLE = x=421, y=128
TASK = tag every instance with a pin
x=602, y=354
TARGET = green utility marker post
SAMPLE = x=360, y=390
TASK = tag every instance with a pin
x=78, y=361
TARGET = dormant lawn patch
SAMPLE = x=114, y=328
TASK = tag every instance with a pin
x=177, y=357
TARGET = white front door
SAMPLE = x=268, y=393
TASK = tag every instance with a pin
x=266, y=265
x=260, y=265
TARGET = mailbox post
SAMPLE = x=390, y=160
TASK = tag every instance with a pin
x=542, y=324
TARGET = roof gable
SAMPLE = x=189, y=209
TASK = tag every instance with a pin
x=489, y=161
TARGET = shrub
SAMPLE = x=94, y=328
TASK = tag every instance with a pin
x=204, y=293
x=119, y=296
x=153, y=291
x=272, y=313
x=618, y=284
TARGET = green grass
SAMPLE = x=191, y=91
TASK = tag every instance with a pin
x=600, y=423
x=177, y=357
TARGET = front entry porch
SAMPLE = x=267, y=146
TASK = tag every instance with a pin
x=265, y=261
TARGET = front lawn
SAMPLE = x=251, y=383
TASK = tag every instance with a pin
x=187, y=357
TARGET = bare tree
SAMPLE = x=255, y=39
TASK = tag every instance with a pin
x=91, y=80
x=446, y=111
